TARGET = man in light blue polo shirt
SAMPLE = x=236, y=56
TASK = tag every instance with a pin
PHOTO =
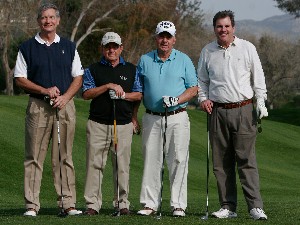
x=169, y=81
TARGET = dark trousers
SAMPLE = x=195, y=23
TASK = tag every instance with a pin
x=233, y=137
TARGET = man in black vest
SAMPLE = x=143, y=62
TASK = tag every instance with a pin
x=115, y=90
x=49, y=65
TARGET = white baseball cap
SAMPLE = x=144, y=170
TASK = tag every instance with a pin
x=111, y=37
x=165, y=26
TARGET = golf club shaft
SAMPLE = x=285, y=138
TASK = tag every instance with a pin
x=59, y=158
x=207, y=161
x=116, y=154
x=163, y=160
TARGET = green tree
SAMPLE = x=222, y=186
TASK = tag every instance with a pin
x=281, y=68
x=15, y=21
x=85, y=22
x=290, y=6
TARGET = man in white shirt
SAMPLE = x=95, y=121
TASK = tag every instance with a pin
x=230, y=75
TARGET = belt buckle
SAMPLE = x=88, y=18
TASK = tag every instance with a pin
x=228, y=105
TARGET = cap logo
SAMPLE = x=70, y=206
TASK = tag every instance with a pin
x=111, y=37
x=165, y=24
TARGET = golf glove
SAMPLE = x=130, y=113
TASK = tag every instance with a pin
x=261, y=109
x=113, y=95
x=169, y=101
x=49, y=100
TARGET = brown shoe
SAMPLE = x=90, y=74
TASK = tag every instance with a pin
x=124, y=212
x=90, y=212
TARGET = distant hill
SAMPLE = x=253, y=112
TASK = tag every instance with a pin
x=284, y=26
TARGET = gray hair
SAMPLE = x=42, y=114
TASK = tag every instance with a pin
x=46, y=6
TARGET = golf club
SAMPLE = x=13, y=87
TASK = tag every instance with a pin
x=50, y=102
x=207, y=170
x=62, y=211
x=117, y=212
x=163, y=162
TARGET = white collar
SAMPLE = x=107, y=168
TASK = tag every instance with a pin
x=41, y=41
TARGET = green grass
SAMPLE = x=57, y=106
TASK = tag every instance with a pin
x=277, y=154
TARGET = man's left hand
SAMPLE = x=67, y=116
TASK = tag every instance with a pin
x=261, y=109
x=169, y=101
x=113, y=95
x=136, y=126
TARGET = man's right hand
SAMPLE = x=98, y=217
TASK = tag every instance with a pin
x=207, y=106
x=52, y=92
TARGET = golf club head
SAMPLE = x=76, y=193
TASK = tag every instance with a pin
x=158, y=217
x=116, y=213
x=62, y=214
x=205, y=217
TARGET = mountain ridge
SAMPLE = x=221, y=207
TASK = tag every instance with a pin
x=286, y=27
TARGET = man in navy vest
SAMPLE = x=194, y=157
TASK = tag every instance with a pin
x=48, y=65
x=115, y=90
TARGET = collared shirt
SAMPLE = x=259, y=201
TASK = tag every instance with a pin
x=232, y=74
x=21, y=66
x=165, y=78
x=88, y=80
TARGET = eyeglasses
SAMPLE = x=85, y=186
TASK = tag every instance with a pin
x=111, y=46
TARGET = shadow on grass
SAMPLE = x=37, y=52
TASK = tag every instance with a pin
x=285, y=115
x=43, y=211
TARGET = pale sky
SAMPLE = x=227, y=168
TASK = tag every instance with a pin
x=243, y=9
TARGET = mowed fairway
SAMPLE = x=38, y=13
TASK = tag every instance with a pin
x=278, y=155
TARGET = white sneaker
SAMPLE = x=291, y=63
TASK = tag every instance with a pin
x=146, y=211
x=30, y=213
x=73, y=212
x=224, y=213
x=178, y=212
x=258, y=214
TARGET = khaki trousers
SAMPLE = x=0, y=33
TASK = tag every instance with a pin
x=40, y=128
x=232, y=137
x=100, y=139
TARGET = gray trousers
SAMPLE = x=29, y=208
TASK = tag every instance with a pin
x=233, y=137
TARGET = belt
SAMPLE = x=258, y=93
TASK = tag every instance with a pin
x=38, y=96
x=168, y=113
x=233, y=104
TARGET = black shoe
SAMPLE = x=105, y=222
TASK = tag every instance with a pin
x=90, y=212
x=124, y=212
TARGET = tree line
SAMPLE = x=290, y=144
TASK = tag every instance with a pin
x=85, y=21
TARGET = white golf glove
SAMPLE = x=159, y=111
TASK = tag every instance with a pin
x=113, y=95
x=261, y=109
x=169, y=101
x=49, y=100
